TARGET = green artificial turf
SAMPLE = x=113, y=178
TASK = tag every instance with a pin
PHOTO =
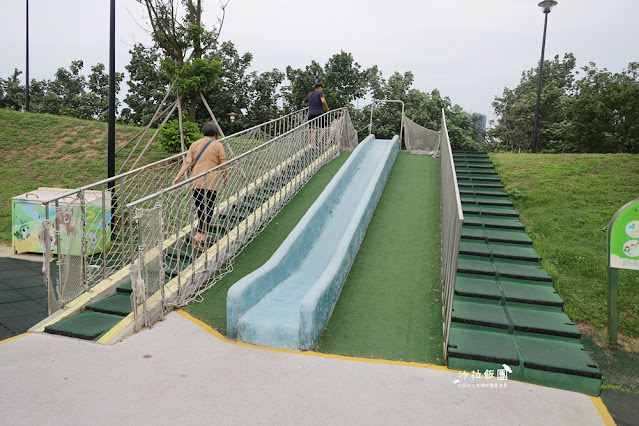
x=212, y=310
x=390, y=306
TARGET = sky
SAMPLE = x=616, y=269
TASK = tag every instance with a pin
x=469, y=50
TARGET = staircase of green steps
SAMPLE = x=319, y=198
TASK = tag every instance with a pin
x=505, y=309
x=99, y=317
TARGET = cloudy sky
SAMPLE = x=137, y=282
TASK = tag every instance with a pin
x=468, y=49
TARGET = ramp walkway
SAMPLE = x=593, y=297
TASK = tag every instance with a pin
x=505, y=308
x=287, y=302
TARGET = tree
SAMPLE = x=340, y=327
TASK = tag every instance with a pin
x=263, y=97
x=343, y=79
x=12, y=92
x=185, y=42
x=148, y=83
x=515, y=109
x=604, y=116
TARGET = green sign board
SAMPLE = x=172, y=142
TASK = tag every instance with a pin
x=623, y=237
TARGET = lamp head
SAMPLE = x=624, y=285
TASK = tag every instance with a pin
x=546, y=5
x=232, y=116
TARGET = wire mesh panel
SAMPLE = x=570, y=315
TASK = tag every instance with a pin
x=203, y=233
x=452, y=220
x=148, y=277
x=420, y=140
x=69, y=236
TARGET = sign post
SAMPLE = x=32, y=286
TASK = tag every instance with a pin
x=623, y=253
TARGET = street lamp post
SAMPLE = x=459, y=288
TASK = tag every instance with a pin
x=232, y=116
x=27, y=96
x=546, y=6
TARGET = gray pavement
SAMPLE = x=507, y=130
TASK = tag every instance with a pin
x=177, y=372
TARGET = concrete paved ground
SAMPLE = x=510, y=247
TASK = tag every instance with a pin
x=177, y=372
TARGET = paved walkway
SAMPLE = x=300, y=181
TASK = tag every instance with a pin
x=179, y=371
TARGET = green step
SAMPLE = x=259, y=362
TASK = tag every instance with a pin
x=87, y=325
x=520, y=270
x=474, y=248
x=531, y=292
x=125, y=288
x=502, y=223
x=507, y=236
x=478, y=185
x=478, y=313
x=119, y=304
x=477, y=286
x=542, y=322
x=514, y=251
x=475, y=265
x=556, y=355
x=480, y=345
x=486, y=201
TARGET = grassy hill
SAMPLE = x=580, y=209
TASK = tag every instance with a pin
x=566, y=202
x=62, y=152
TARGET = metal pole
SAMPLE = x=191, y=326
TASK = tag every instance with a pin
x=541, y=73
x=27, y=96
x=111, y=125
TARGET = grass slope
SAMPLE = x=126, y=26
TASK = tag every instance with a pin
x=52, y=151
x=390, y=306
x=566, y=203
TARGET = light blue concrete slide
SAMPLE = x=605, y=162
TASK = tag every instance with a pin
x=287, y=302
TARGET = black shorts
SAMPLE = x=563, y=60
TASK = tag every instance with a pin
x=318, y=122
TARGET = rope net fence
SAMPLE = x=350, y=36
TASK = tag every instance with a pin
x=420, y=140
x=91, y=232
x=245, y=193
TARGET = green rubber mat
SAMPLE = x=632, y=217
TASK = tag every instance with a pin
x=125, y=288
x=475, y=173
x=474, y=248
x=486, y=201
x=479, y=313
x=480, y=185
x=542, y=322
x=119, y=304
x=514, y=251
x=475, y=265
x=521, y=270
x=87, y=325
x=486, y=192
x=472, y=233
x=531, y=292
x=481, y=345
x=557, y=355
x=507, y=236
x=477, y=286
x=502, y=222
x=494, y=211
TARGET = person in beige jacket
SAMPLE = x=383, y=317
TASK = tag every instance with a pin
x=205, y=154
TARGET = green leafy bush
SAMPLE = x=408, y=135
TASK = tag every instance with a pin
x=169, y=136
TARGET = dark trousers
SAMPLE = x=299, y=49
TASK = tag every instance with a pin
x=204, y=202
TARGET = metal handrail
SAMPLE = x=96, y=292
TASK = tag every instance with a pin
x=452, y=220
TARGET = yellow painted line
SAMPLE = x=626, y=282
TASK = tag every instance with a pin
x=603, y=410
x=223, y=338
x=8, y=339
x=109, y=335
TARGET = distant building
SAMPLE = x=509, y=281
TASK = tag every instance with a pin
x=481, y=122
